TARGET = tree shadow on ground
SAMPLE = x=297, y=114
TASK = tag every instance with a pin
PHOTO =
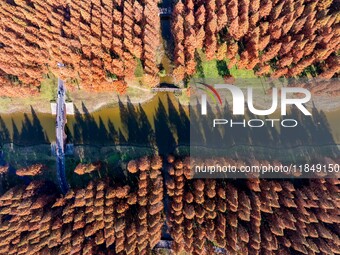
x=222, y=68
x=162, y=131
x=312, y=137
x=31, y=132
x=5, y=136
x=199, y=66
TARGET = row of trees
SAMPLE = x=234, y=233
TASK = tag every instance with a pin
x=11, y=88
x=209, y=216
x=276, y=38
x=99, y=218
x=98, y=41
x=252, y=216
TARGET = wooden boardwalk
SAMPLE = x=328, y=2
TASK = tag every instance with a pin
x=177, y=91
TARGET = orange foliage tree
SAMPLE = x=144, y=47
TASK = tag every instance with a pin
x=277, y=38
x=98, y=41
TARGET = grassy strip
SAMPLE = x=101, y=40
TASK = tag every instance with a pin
x=217, y=69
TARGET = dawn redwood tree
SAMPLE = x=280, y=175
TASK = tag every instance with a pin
x=190, y=39
x=210, y=42
x=267, y=36
x=151, y=37
x=178, y=32
x=199, y=26
x=96, y=40
x=222, y=17
x=137, y=29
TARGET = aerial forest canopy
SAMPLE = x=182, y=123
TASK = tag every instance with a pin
x=102, y=43
x=99, y=43
x=209, y=216
x=272, y=37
